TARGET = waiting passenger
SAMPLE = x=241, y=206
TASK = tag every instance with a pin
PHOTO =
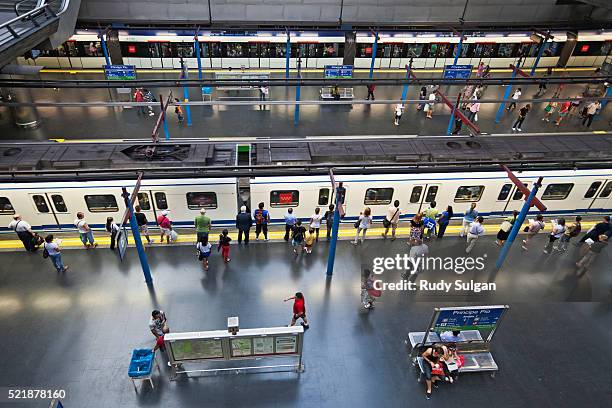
x=141, y=220
x=262, y=218
x=422, y=97
x=430, y=215
x=244, y=222
x=52, y=250
x=165, y=225
x=113, y=229
x=429, y=108
x=549, y=110
x=24, y=232
x=451, y=336
x=179, y=111
x=521, y=117
x=310, y=240
x=224, y=245
x=505, y=228
x=444, y=220
x=416, y=227
x=363, y=223
x=202, y=224
x=399, y=110
x=204, y=252
x=432, y=368
x=468, y=218
x=315, y=222
x=558, y=229
x=595, y=232
x=474, y=108
x=570, y=232
x=595, y=249
x=532, y=229
x=290, y=220
x=85, y=232
x=475, y=232
x=329, y=220
x=391, y=219
x=298, y=233
x=515, y=97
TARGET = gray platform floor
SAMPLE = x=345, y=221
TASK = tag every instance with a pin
x=77, y=331
x=274, y=121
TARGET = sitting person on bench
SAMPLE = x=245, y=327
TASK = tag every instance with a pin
x=451, y=337
x=336, y=93
x=433, y=368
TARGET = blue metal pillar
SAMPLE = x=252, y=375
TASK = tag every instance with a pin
x=334, y=235
x=500, y=111
x=374, y=46
x=104, y=49
x=166, y=132
x=196, y=45
x=144, y=263
x=405, y=89
x=296, y=114
x=184, y=75
x=540, y=52
x=517, y=224
x=287, y=55
x=459, y=47
x=608, y=95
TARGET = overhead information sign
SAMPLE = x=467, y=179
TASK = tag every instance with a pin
x=120, y=72
x=469, y=318
x=457, y=71
x=338, y=71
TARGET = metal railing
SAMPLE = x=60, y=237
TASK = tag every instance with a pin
x=30, y=4
x=24, y=23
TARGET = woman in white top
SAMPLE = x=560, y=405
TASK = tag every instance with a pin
x=558, y=229
x=430, y=105
x=364, y=222
x=534, y=227
x=52, y=250
x=315, y=222
x=399, y=109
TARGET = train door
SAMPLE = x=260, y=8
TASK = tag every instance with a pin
x=145, y=201
x=599, y=196
x=420, y=196
x=509, y=199
x=51, y=209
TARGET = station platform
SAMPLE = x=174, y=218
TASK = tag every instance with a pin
x=276, y=121
x=75, y=331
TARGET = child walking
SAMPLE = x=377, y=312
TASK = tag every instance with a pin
x=224, y=245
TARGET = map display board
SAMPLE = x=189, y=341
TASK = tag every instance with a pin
x=195, y=349
x=263, y=345
x=457, y=71
x=286, y=344
x=338, y=71
x=241, y=347
x=120, y=72
x=475, y=318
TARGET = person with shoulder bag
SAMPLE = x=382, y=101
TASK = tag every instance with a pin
x=505, y=228
x=363, y=223
x=570, y=232
x=532, y=229
x=52, y=250
x=391, y=220
x=558, y=229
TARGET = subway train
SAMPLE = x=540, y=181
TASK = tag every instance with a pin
x=52, y=206
x=267, y=50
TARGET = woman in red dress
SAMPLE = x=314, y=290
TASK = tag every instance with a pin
x=299, y=309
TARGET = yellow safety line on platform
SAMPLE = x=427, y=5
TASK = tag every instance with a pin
x=103, y=239
x=280, y=71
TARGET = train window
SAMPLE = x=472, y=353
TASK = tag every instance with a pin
x=160, y=201
x=252, y=50
x=101, y=203
x=593, y=189
x=185, y=50
x=144, y=202
x=323, y=196
x=386, y=50
x=166, y=50
x=398, y=51
x=215, y=50
x=518, y=195
x=198, y=200
x=469, y=193
x=505, y=50
x=58, y=203
x=204, y=50
x=504, y=192
x=71, y=46
x=234, y=50
x=557, y=191
x=330, y=50
x=433, y=50
x=364, y=50
x=278, y=51
x=378, y=196
x=284, y=198
x=41, y=203
x=432, y=191
x=414, y=50
x=5, y=206
x=93, y=49
x=153, y=50
x=415, y=196
x=605, y=192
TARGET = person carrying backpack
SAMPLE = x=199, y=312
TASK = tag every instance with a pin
x=262, y=218
x=224, y=245
x=298, y=234
x=204, y=252
x=570, y=232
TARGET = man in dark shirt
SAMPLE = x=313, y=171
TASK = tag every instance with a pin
x=244, y=222
x=601, y=228
x=329, y=219
x=141, y=220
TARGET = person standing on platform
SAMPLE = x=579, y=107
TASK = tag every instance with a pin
x=515, y=97
x=244, y=222
x=591, y=111
x=24, y=232
x=391, y=219
x=262, y=218
x=399, y=109
x=202, y=225
x=113, y=229
x=158, y=324
x=224, y=245
x=563, y=112
x=480, y=69
x=418, y=250
x=165, y=225
x=179, y=111
x=299, y=309
x=468, y=218
x=416, y=227
x=139, y=97
x=310, y=240
x=85, y=232
x=599, y=229
x=570, y=232
x=558, y=229
x=532, y=230
x=263, y=93
x=371, y=88
x=141, y=220
x=549, y=110
x=363, y=223
x=298, y=233
x=475, y=232
x=315, y=222
x=430, y=216
x=290, y=220
x=422, y=97
x=430, y=106
x=204, y=252
x=329, y=220
x=594, y=250
x=505, y=228
x=521, y=117
x=458, y=125
x=53, y=251
x=444, y=220
x=474, y=109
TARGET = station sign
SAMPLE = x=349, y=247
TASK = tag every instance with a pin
x=120, y=72
x=468, y=318
x=457, y=71
x=338, y=71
